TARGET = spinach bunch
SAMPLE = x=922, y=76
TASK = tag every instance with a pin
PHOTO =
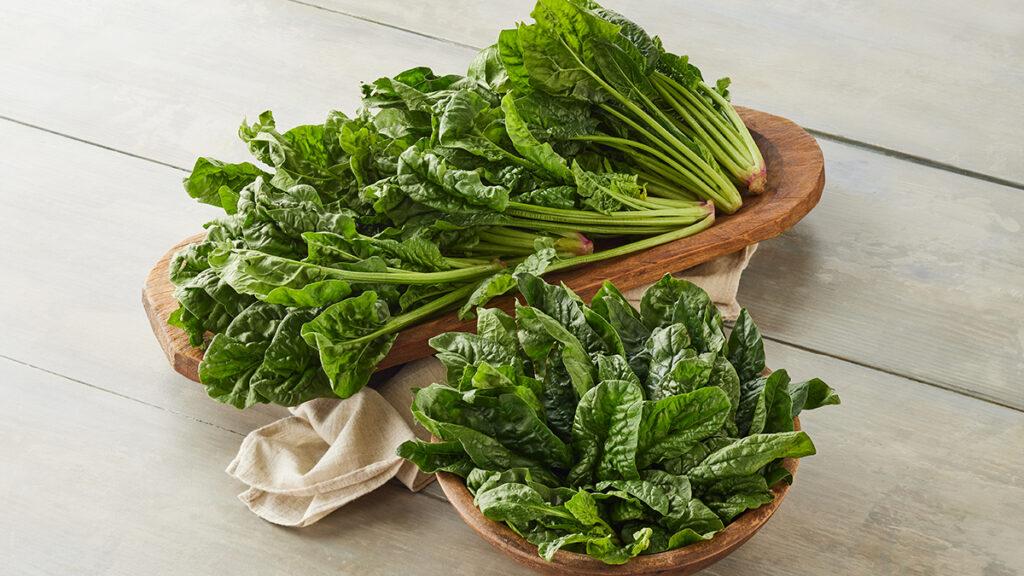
x=612, y=431
x=681, y=135
x=571, y=140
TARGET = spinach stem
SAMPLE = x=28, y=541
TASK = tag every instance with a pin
x=409, y=318
x=634, y=246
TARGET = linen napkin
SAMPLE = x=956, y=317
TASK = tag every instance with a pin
x=330, y=452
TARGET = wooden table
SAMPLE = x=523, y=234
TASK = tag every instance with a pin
x=904, y=289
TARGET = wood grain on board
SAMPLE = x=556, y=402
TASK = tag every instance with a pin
x=796, y=176
x=80, y=226
x=915, y=270
x=175, y=78
x=910, y=269
x=883, y=253
x=679, y=562
x=128, y=488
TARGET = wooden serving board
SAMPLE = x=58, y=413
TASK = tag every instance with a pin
x=678, y=562
x=796, y=177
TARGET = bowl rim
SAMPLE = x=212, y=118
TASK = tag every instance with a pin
x=692, y=557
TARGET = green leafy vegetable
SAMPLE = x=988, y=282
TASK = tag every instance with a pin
x=560, y=438
x=572, y=139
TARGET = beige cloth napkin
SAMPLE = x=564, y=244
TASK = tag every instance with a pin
x=330, y=452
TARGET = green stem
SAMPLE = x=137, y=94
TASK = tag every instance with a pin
x=689, y=167
x=675, y=203
x=500, y=250
x=409, y=318
x=509, y=240
x=657, y=171
x=655, y=190
x=708, y=116
x=594, y=229
x=651, y=214
x=732, y=202
x=701, y=187
x=738, y=122
x=465, y=262
x=721, y=182
x=404, y=277
x=508, y=237
x=633, y=246
x=725, y=152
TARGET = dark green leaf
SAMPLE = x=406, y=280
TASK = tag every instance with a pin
x=347, y=338
x=746, y=456
x=746, y=349
x=541, y=154
x=811, y=394
x=671, y=427
x=432, y=457
x=605, y=433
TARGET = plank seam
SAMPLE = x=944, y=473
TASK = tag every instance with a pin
x=915, y=159
x=91, y=143
x=840, y=139
x=890, y=152
x=384, y=24
x=116, y=393
x=948, y=388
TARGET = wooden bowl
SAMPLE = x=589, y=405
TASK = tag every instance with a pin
x=796, y=176
x=680, y=561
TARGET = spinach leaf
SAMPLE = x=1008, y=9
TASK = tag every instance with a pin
x=348, y=337
x=810, y=394
x=290, y=373
x=672, y=426
x=504, y=281
x=237, y=353
x=746, y=456
x=432, y=457
x=575, y=449
x=539, y=332
x=746, y=349
x=615, y=368
x=600, y=546
x=456, y=351
x=730, y=497
x=210, y=176
x=558, y=395
x=504, y=416
x=672, y=301
x=493, y=324
x=519, y=503
x=565, y=308
x=312, y=295
x=765, y=405
x=541, y=154
x=651, y=494
x=605, y=433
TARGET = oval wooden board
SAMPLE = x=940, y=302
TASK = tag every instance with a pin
x=796, y=177
x=679, y=562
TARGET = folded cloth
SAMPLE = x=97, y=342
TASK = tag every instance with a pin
x=330, y=452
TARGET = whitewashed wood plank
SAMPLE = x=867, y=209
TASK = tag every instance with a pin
x=939, y=80
x=94, y=484
x=172, y=80
x=908, y=268
x=917, y=205
x=81, y=227
x=909, y=479
x=914, y=270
